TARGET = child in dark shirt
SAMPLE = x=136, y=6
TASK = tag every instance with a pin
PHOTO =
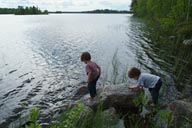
x=93, y=73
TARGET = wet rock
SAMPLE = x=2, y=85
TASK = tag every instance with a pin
x=28, y=80
x=81, y=91
x=12, y=71
x=3, y=124
x=188, y=42
x=18, y=109
x=172, y=37
x=31, y=94
x=23, y=75
x=117, y=96
x=182, y=113
x=45, y=125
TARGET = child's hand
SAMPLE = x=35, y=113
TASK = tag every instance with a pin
x=132, y=86
x=135, y=87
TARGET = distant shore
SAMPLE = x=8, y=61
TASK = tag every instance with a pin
x=105, y=11
x=86, y=13
x=36, y=11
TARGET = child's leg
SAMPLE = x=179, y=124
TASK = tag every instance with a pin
x=155, y=95
x=92, y=89
x=155, y=92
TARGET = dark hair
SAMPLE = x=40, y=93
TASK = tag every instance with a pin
x=134, y=72
x=85, y=56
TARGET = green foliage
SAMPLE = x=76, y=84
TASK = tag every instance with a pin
x=164, y=116
x=185, y=28
x=166, y=23
x=22, y=10
x=116, y=76
x=140, y=99
x=77, y=117
x=187, y=122
x=115, y=65
x=106, y=11
x=167, y=13
x=28, y=10
x=139, y=7
x=70, y=118
x=7, y=10
x=177, y=12
x=33, y=119
x=134, y=121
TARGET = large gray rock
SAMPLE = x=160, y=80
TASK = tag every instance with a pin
x=182, y=114
x=188, y=42
x=117, y=96
x=81, y=91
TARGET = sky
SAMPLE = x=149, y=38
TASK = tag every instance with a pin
x=69, y=5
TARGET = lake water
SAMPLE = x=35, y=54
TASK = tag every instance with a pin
x=40, y=57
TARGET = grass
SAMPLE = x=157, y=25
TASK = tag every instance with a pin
x=78, y=117
x=32, y=119
x=115, y=68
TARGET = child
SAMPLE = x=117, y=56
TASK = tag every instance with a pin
x=93, y=73
x=146, y=80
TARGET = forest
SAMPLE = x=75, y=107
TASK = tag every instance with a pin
x=172, y=16
x=20, y=10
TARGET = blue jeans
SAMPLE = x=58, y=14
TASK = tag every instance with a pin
x=92, y=87
x=155, y=91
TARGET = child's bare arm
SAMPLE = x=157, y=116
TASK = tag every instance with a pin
x=89, y=77
x=135, y=87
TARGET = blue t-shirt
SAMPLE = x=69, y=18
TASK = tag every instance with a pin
x=147, y=80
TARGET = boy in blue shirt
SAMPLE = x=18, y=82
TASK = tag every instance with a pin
x=152, y=82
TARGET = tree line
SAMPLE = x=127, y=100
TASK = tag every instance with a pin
x=95, y=11
x=20, y=10
x=172, y=16
x=106, y=11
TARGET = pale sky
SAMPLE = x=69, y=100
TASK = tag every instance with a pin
x=69, y=5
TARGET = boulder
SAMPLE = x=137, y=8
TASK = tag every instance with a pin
x=182, y=113
x=172, y=38
x=81, y=91
x=118, y=96
x=188, y=42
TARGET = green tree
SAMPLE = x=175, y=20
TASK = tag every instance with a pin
x=173, y=16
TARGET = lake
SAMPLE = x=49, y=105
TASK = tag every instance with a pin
x=40, y=58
